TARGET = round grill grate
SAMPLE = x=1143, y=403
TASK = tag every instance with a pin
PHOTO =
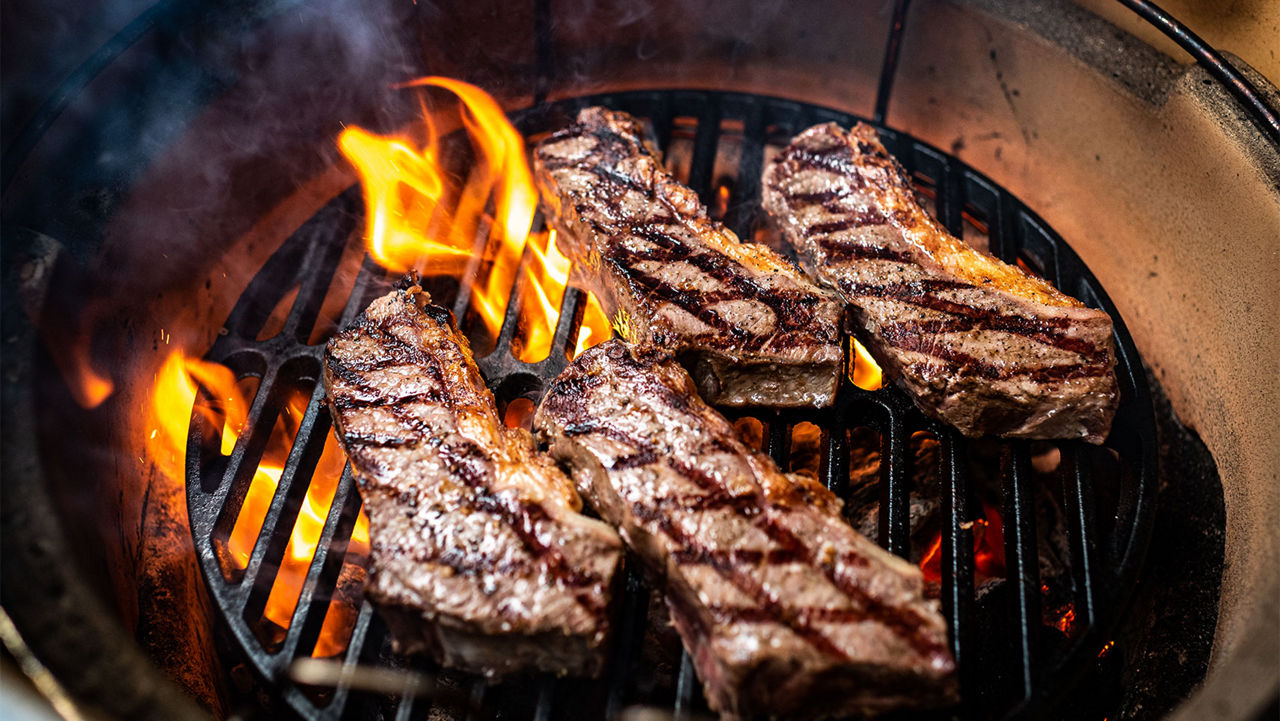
x=1075, y=517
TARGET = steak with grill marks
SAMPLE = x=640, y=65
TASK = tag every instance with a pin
x=976, y=342
x=786, y=610
x=748, y=325
x=479, y=555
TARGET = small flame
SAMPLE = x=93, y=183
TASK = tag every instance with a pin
x=89, y=387
x=172, y=401
x=594, y=329
x=721, y=201
x=540, y=309
x=864, y=372
x=409, y=224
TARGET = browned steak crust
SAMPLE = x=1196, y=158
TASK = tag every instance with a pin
x=977, y=343
x=751, y=328
x=479, y=554
x=787, y=611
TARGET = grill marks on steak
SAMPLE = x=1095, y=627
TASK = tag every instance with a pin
x=479, y=554
x=752, y=329
x=787, y=611
x=976, y=342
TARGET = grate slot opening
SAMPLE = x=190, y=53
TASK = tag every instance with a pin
x=240, y=472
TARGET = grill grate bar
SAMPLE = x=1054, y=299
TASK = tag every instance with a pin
x=705, y=144
x=519, y=295
x=463, y=300
x=369, y=281
x=1078, y=497
x=627, y=636
x=546, y=697
x=1022, y=562
x=322, y=575
x=229, y=496
x=833, y=467
x=404, y=709
x=325, y=238
x=282, y=514
x=746, y=192
x=895, y=491
x=307, y=261
x=357, y=647
x=957, y=556
x=687, y=688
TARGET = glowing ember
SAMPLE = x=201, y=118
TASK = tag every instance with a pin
x=409, y=224
x=988, y=549
x=172, y=401
x=864, y=372
x=1066, y=619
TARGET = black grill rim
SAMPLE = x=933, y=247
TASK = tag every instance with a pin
x=1105, y=576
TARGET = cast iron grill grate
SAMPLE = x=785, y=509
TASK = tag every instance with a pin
x=1012, y=663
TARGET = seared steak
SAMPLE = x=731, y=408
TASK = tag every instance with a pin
x=479, y=554
x=977, y=343
x=786, y=610
x=751, y=328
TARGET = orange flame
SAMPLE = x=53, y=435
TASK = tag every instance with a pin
x=89, y=387
x=540, y=308
x=721, y=201
x=594, y=328
x=309, y=525
x=988, y=549
x=409, y=225
x=172, y=401
x=863, y=370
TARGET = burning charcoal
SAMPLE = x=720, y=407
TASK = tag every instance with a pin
x=862, y=503
x=862, y=506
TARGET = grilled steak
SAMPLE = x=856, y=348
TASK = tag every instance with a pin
x=977, y=343
x=479, y=554
x=786, y=610
x=751, y=328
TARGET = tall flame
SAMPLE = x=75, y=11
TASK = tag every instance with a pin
x=412, y=221
x=173, y=399
x=419, y=218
